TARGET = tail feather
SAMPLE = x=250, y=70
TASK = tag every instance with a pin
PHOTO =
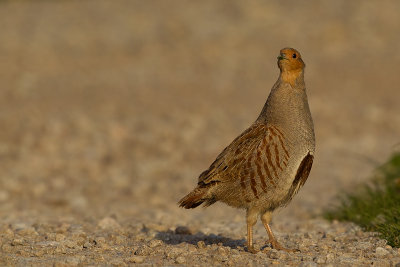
x=193, y=199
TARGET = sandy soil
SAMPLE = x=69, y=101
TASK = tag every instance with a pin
x=109, y=110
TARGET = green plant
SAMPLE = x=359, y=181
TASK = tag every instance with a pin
x=376, y=206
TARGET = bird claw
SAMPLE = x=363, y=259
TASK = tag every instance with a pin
x=277, y=246
x=252, y=250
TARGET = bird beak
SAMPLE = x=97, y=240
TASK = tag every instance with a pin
x=281, y=56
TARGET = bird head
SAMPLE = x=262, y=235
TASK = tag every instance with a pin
x=289, y=59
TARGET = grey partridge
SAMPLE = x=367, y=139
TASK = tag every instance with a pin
x=266, y=165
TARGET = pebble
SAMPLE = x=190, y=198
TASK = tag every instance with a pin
x=330, y=258
x=8, y=233
x=17, y=242
x=180, y=260
x=320, y=259
x=381, y=252
x=87, y=245
x=136, y=259
x=70, y=244
x=28, y=231
x=60, y=237
x=155, y=243
x=48, y=244
x=100, y=240
x=201, y=244
x=39, y=253
x=143, y=251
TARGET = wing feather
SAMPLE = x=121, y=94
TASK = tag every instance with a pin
x=256, y=152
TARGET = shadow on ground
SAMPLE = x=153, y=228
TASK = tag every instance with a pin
x=175, y=237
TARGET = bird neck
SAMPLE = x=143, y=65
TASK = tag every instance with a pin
x=293, y=77
x=287, y=101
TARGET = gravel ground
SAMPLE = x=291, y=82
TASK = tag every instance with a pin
x=110, y=110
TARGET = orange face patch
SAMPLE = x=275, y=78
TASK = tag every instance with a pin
x=291, y=64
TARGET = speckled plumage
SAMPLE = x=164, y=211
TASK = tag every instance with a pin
x=265, y=166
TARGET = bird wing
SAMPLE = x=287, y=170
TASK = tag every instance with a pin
x=302, y=174
x=258, y=152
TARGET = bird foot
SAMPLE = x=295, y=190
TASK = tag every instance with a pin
x=277, y=246
x=252, y=250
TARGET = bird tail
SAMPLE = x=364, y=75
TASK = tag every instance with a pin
x=194, y=199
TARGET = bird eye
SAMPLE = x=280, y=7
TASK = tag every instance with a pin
x=294, y=56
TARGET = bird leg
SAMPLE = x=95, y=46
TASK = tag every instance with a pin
x=266, y=219
x=251, y=218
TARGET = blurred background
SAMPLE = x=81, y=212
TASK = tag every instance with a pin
x=113, y=108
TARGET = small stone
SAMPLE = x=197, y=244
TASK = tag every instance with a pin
x=17, y=242
x=273, y=254
x=39, y=253
x=306, y=258
x=24, y=253
x=192, y=249
x=182, y=230
x=381, y=252
x=180, y=260
x=108, y=223
x=143, y=251
x=381, y=243
x=100, y=240
x=87, y=245
x=320, y=259
x=48, y=244
x=155, y=243
x=29, y=231
x=201, y=244
x=324, y=247
x=136, y=259
x=330, y=258
x=60, y=237
x=7, y=233
x=70, y=244
x=221, y=251
x=174, y=253
x=60, y=250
